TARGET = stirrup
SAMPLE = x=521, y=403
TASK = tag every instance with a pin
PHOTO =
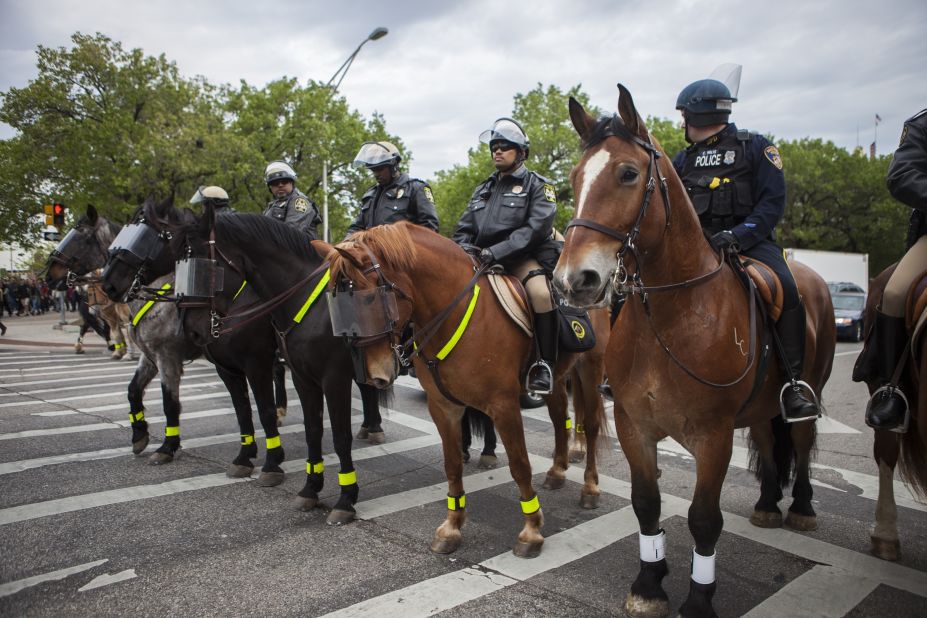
x=814, y=397
x=543, y=365
x=892, y=391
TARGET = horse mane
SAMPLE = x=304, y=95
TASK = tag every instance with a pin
x=245, y=229
x=391, y=244
x=605, y=127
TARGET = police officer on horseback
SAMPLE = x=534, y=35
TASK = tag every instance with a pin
x=290, y=205
x=735, y=181
x=396, y=196
x=510, y=221
x=213, y=196
x=887, y=344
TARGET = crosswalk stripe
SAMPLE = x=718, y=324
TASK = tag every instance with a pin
x=835, y=593
x=185, y=385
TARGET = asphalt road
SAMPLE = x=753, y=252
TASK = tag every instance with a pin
x=88, y=529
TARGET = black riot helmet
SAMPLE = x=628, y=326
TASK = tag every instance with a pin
x=705, y=102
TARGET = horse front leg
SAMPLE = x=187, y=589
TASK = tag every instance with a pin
x=171, y=370
x=338, y=397
x=280, y=389
x=241, y=466
x=646, y=597
x=145, y=372
x=371, y=428
x=261, y=379
x=801, y=515
x=447, y=418
x=310, y=399
x=884, y=537
x=557, y=409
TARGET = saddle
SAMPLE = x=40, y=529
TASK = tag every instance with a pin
x=916, y=306
x=512, y=296
x=767, y=285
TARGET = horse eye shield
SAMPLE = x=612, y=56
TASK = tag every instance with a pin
x=363, y=313
x=198, y=278
x=140, y=241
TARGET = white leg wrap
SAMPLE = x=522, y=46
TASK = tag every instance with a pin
x=653, y=548
x=703, y=568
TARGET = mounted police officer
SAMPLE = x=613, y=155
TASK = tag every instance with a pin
x=735, y=181
x=396, y=196
x=510, y=221
x=290, y=205
x=212, y=196
x=887, y=343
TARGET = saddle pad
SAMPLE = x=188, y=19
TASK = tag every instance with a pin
x=917, y=301
x=767, y=283
x=511, y=296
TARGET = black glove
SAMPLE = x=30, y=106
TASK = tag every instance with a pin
x=726, y=241
x=486, y=256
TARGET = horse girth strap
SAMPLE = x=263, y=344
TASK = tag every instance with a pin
x=148, y=305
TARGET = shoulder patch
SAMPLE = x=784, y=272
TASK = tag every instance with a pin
x=301, y=204
x=904, y=134
x=772, y=154
x=428, y=194
x=550, y=193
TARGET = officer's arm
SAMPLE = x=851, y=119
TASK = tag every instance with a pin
x=536, y=228
x=907, y=173
x=678, y=161
x=466, y=231
x=768, y=196
x=358, y=224
x=423, y=201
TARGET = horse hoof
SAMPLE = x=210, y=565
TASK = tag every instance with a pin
x=577, y=457
x=362, y=434
x=802, y=523
x=445, y=546
x=339, y=518
x=270, y=479
x=766, y=519
x=886, y=549
x=523, y=549
x=488, y=462
x=239, y=472
x=554, y=482
x=640, y=607
x=466, y=456
x=281, y=412
x=140, y=446
x=589, y=501
x=305, y=504
x=376, y=437
x=156, y=458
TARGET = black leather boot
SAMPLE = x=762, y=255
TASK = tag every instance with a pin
x=541, y=374
x=888, y=406
x=796, y=402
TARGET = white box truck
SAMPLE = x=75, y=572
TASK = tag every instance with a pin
x=835, y=265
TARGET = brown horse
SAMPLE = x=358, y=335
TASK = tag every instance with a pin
x=910, y=448
x=684, y=354
x=483, y=370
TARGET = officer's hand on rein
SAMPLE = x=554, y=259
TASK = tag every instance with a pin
x=726, y=241
x=471, y=249
x=486, y=256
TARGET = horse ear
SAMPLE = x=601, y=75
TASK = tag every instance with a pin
x=347, y=254
x=582, y=121
x=321, y=247
x=92, y=214
x=629, y=114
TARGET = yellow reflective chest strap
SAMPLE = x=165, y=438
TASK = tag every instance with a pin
x=141, y=312
x=312, y=297
x=452, y=342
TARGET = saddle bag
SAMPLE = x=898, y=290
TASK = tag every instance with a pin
x=576, y=334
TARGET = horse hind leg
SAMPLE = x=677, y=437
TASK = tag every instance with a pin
x=801, y=515
x=279, y=369
x=557, y=408
x=241, y=466
x=170, y=392
x=338, y=398
x=144, y=374
x=884, y=537
x=262, y=386
x=590, y=420
x=763, y=442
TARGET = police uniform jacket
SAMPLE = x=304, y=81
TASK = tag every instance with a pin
x=512, y=216
x=297, y=210
x=907, y=173
x=405, y=199
x=735, y=181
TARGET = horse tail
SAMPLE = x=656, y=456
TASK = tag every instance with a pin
x=479, y=422
x=913, y=459
x=783, y=452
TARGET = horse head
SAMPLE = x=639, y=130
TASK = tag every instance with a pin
x=622, y=203
x=82, y=250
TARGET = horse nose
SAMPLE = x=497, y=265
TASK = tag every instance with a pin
x=578, y=282
x=380, y=383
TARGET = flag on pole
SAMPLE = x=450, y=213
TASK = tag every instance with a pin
x=878, y=119
x=872, y=151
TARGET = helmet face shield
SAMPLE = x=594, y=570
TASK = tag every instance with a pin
x=505, y=129
x=375, y=154
x=278, y=170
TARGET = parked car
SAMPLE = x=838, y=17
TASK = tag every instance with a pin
x=843, y=286
x=848, y=314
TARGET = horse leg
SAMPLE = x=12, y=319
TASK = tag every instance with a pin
x=447, y=418
x=338, y=398
x=170, y=393
x=310, y=399
x=801, y=515
x=145, y=372
x=261, y=379
x=507, y=417
x=646, y=597
x=712, y=456
x=488, y=459
x=590, y=414
x=557, y=409
x=279, y=390
x=766, y=513
x=371, y=428
x=242, y=465
x=577, y=437
x=884, y=537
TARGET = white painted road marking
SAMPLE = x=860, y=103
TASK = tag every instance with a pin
x=823, y=591
x=14, y=587
x=106, y=579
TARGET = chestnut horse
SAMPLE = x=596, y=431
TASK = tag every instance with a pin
x=684, y=354
x=890, y=448
x=484, y=369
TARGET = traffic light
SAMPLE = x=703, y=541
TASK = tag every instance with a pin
x=58, y=211
x=49, y=214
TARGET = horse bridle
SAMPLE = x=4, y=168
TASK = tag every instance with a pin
x=72, y=278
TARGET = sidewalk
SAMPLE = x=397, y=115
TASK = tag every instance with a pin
x=40, y=330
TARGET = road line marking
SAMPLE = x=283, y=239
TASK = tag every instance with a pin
x=14, y=587
x=821, y=591
x=125, y=371
x=848, y=353
x=57, y=389
x=37, y=402
x=55, y=413
x=106, y=579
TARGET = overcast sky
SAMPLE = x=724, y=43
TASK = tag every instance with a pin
x=448, y=69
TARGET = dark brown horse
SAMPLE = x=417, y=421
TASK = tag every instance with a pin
x=683, y=357
x=484, y=369
x=890, y=448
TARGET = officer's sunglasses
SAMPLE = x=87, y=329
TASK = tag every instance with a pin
x=279, y=182
x=502, y=146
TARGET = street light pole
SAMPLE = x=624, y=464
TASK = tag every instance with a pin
x=378, y=33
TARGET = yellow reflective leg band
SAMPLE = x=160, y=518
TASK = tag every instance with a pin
x=315, y=468
x=456, y=503
x=347, y=478
x=273, y=442
x=530, y=506
x=172, y=431
x=579, y=428
x=119, y=346
x=569, y=423
x=138, y=416
x=247, y=439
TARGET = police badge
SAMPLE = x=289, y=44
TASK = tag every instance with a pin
x=428, y=194
x=550, y=193
x=729, y=157
x=301, y=204
x=400, y=193
x=772, y=153
x=516, y=189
